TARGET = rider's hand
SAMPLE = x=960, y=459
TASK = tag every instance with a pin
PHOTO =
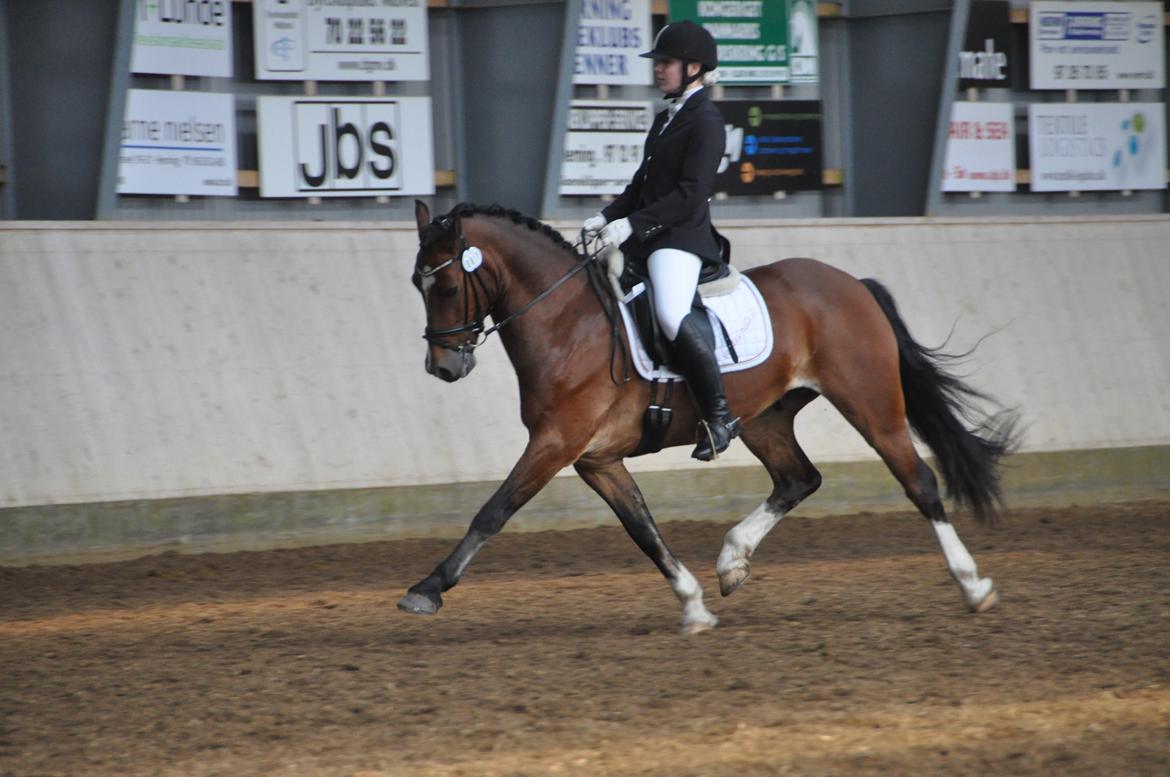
x=617, y=233
x=593, y=225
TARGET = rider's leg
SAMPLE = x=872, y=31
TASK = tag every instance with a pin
x=674, y=275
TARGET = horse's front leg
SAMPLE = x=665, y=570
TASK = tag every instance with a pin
x=539, y=462
x=616, y=486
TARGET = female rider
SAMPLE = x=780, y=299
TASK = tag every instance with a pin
x=663, y=218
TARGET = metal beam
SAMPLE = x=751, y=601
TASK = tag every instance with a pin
x=458, y=115
x=7, y=198
x=107, y=194
x=556, y=143
x=934, y=195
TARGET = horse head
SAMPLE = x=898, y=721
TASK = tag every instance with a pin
x=454, y=293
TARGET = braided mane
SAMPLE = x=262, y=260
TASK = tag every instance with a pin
x=438, y=229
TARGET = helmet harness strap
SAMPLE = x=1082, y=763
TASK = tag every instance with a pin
x=684, y=80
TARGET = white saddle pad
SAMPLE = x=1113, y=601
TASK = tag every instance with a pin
x=742, y=312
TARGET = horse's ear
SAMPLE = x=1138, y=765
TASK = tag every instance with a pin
x=458, y=222
x=422, y=215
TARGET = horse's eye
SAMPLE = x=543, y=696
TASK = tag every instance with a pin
x=447, y=291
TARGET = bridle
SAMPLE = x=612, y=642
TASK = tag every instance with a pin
x=473, y=283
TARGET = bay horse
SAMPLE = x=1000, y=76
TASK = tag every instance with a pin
x=834, y=336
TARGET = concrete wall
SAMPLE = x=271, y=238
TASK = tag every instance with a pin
x=145, y=361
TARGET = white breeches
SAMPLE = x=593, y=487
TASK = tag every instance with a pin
x=675, y=275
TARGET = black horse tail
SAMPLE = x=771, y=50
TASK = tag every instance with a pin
x=967, y=444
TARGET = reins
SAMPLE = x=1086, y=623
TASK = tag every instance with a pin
x=581, y=264
x=599, y=282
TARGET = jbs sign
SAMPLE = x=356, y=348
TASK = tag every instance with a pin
x=347, y=146
x=342, y=148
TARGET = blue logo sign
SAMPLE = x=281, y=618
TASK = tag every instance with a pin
x=282, y=47
x=1084, y=25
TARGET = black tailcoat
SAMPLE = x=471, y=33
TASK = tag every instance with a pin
x=667, y=200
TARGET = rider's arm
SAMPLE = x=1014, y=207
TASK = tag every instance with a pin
x=625, y=203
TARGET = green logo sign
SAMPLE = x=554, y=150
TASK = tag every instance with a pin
x=760, y=41
x=752, y=36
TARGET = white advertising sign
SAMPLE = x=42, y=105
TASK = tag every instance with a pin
x=1097, y=146
x=173, y=37
x=345, y=147
x=603, y=145
x=341, y=40
x=981, y=149
x=1097, y=45
x=803, y=58
x=610, y=36
x=178, y=143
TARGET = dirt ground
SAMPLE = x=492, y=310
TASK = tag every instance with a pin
x=847, y=653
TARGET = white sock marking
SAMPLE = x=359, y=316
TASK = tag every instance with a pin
x=741, y=540
x=961, y=564
x=690, y=593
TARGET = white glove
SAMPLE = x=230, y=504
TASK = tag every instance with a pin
x=617, y=233
x=593, y=225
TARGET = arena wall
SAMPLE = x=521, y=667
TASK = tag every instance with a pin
x=155, y=361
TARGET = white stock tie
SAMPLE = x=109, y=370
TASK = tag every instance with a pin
x=671, y=112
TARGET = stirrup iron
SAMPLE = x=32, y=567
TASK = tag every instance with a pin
x=711, y=440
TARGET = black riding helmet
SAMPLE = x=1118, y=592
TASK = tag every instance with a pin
x=687, y=41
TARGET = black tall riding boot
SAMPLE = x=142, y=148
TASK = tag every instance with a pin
x=694, y=352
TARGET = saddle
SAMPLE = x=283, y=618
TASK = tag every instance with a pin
x=715, y=278
x=638, y=297
x=736, y=318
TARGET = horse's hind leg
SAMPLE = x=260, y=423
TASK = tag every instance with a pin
x=772, y=439
x=616, y=486
x=890, y=437
x=922, y=488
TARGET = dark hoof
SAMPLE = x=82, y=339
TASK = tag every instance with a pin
x=419, y=604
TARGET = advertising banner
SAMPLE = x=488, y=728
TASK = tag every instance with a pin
x=1097, y=45
x=178, y=143
x=172, y=37
x=341, y=40
x=603, y=145
x=802, y=32
x=752, y=36
x=611, y=35
x=1097, y=146
x=772, y=146
x=983, y=62
x=343, y=147
x=981, y=149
